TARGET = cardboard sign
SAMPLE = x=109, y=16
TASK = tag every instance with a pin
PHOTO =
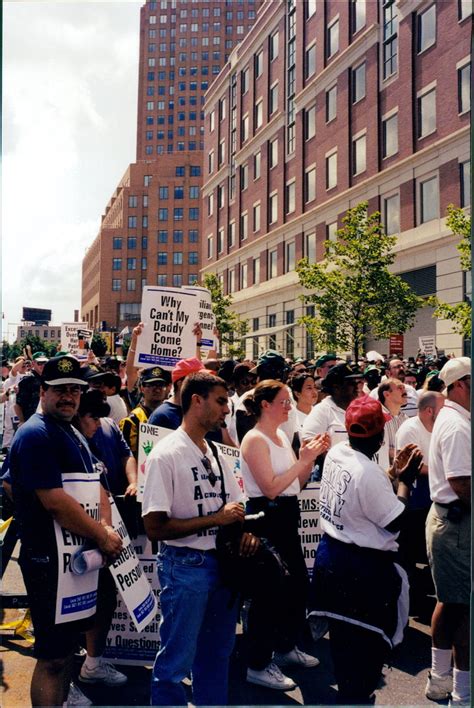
x=205, y=318
x=148, y=436
x=309, y=527
x=427, y=345
x=129, y=578
x=395, y=344
x=169, y=315
x=74, y=337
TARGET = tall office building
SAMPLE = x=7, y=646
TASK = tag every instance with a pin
x=151, y=229
x=322, y=106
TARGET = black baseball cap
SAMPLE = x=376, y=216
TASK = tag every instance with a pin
x=338, y=375
x=155, y=374
x=63, y=370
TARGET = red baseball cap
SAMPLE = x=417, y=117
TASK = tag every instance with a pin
x=365, y=417
x=185, y=367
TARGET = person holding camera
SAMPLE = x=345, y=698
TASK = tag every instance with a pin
x=448, y=536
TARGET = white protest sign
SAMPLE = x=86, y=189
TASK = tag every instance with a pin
x=131, y=583
x=309, y=526
x=205, y=318
x=148, y=436
x=169, y=315
x=76, y=596
x=124, y=644
x=427, y=345
x=74, y=336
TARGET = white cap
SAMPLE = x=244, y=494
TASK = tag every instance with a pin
x=455, y=369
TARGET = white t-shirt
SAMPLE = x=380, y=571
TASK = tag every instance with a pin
x=450, y=451
x=357, y=501
x=413, y=431
x=326, y=417
x=177, y=483
x=118, y=409
x=282, y=458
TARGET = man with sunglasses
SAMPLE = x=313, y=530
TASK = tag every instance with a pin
x=448, y=536
x=155, y=384
x=183, y=506
x=54, y=481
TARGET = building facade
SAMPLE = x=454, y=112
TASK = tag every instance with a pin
x=151, y=229
x=324, y=105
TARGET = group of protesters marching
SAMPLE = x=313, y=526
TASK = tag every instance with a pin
x=388, y=440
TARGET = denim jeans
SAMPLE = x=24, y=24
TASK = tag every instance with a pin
x=197, y=629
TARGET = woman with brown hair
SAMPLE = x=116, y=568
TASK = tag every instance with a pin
x=273, y=478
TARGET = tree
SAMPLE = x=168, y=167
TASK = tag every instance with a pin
x=353, y=290
x=460, y=313
x=231, y=327
x=98, y=345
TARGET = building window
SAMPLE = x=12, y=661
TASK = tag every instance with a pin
x=426, y=113
x=179, y=172
x=273, y=157
x=289, y=257
x=332, y=38
x=210, y=204
x=310, y=123
x=357, y=15
x=331, y=103
x=131, y=284
x=426, y=28
x=243, y=226
x=132, y=222
x=391, y=214
x=290, y=197
x=178, y=214
x=131, y=263
x=193, y=258
x=310, y=61
x=310, y=247
x=464, y=88
x=195, y=171
x=273, y=208
x=162, y=237
x=310, y=8
x=245, y=128
x=117, y=243
x=272, y=266
x=177, y=280
x=193, y=214
x=358, y=83
x=194, y=192
x=144, y=243
x=273, y=99
x=464, y=9
x=390, y=38
x=144, y=263
x=273, y=49
x=116, y=264
x=132, y=202
x=331, y=170
x=131, y=242
x=244, y=81
x=256, y=165
x=331, y=231
x=220, y=240
x=244, y=177
x=177, y=236
x=162, y=258
x=230, y=234
x=258, y=114
x=256, y=217
x=310, y=185
x=256, y=270
x=359, y=147
x=258, y=64
x=210, y=242
x=243, y=276
x=162, y=214
x=163, y=193
x=116, y=284
x=465, y=170
x=429, y=199
x=390, y=135
x=162, y=279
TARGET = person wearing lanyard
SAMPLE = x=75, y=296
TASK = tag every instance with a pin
x=183, y=507
x=45, y=449
x=272, y=479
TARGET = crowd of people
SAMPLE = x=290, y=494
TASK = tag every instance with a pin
x=389, y=441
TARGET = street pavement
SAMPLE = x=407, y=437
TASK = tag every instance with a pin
x=402, y=685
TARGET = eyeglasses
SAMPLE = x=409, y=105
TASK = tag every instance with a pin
x=155, y=384
x=286, y=402
x=211, y=475
x=72, y=389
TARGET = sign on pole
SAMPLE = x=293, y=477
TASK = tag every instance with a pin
x=169, y=315
x=206, y=318
x=395, y=344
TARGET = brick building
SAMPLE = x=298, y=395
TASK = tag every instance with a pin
x=150, y=231
x=324, y=105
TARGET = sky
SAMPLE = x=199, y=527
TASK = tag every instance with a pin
x=70, y=77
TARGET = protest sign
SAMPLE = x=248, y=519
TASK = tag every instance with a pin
x=205, y=318
x=148, y=436
x=427, y=345
x=74, y=338
x=76, y=595
x=129, y=578
x=169, y=315
x=309, y=526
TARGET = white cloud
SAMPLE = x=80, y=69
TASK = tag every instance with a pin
x=70, y=85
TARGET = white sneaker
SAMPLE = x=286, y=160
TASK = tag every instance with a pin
x=296, y=657
x=75, y=697
x=271, y=677
x=104, y=673
x=437, y=687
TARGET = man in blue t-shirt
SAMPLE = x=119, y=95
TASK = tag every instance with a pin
x=45, y=448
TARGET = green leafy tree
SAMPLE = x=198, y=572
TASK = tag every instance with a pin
x=352, y=289
x=460, y=314
x=98, y=345
x=231, y=327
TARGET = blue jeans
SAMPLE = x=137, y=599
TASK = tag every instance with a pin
x=197, y=629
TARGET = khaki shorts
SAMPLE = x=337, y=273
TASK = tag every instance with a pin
x=448, y=545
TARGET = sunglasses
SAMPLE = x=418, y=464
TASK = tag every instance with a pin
x=212, y=477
